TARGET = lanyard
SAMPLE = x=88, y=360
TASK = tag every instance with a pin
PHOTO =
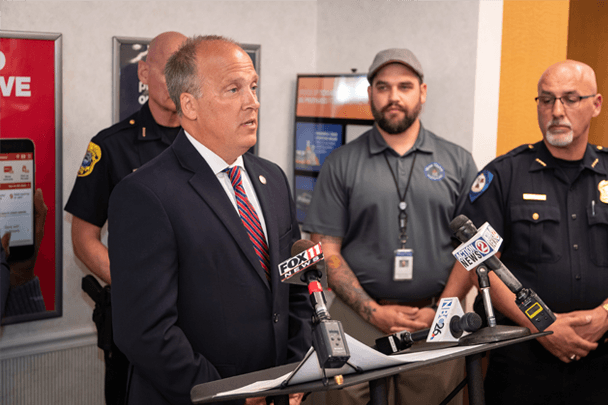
x=402, y=203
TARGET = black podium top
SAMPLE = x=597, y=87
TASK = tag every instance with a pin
x=205, y=393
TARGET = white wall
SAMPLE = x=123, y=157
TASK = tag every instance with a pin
x=442, y=35
x=324, y=36
x=285, y=30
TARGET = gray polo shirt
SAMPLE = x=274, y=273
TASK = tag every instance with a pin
x=356, y=198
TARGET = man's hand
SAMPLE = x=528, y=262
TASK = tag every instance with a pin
x=425, y=315
x=395, y=318
x=256, y=401
x=6, y=238
x=296, y=399
x=23, y=271
x=597, y=326
x=565, y=343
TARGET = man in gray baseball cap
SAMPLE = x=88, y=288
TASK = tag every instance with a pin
x=381, y=207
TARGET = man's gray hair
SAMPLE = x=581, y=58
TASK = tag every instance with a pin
x=181, y=71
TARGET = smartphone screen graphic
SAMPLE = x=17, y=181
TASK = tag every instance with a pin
x=17, y=195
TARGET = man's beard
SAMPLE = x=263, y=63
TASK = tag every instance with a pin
x=560, y=139
x=391, y=127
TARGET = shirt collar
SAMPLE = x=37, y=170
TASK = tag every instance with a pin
x=424, y=143
x=544, y=159
x=149, y=128
x=216, y=163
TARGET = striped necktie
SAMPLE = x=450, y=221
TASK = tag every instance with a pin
x=250, y=219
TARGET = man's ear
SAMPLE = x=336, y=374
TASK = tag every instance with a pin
x=597, y=104
x=189, y=106
x=142, y=71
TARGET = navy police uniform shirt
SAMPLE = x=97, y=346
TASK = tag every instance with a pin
x=553, y=216
x=111, y=155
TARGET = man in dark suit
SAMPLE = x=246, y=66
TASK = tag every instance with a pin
x=192, y=300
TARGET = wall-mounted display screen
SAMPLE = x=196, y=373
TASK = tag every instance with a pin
x=331, y=110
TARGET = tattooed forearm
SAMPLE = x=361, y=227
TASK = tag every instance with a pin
x=345, y=285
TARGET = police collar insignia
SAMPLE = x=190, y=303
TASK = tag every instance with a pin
x=434, y=171
x=481, y=184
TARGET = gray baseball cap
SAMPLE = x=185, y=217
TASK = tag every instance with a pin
x=394, y=55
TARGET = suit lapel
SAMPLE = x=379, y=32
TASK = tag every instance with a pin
x=207, y=186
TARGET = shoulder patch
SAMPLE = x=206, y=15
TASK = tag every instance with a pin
x=480, y=185
x=92, y=156
x=434, y=171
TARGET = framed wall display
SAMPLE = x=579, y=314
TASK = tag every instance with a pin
x=30, y=156
x=331, y=110
x=128, y=93
x=255, y=53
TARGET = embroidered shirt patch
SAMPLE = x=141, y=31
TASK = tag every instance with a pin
x=434, y=171
x=92, y=156
x=481, y=184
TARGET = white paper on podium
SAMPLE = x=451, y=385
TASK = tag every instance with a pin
x=360, y=355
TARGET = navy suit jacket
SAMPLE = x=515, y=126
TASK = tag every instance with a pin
x=191, y=302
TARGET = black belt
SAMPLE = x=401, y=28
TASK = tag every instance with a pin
x=427, y=302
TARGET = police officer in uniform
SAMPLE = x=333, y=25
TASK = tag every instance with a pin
x=111, y=155
x=549, y=201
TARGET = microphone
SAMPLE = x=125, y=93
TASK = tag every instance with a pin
x=464, y=230
x=327, y=336
x=469, y=322
x=302, y=269
x=526, y=299
x=400, y=341
x=306, y=255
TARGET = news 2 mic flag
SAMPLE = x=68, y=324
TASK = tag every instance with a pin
x=440, y=328
x=479, y=248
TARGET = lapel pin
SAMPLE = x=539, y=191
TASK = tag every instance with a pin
x=262, y=179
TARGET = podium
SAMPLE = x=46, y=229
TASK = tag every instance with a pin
x=215, y=391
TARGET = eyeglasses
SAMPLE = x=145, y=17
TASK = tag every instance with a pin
x=569, y=101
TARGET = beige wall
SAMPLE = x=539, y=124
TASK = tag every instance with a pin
x=587, y=40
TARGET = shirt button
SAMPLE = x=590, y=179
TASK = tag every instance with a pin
x=573, y=216
x=578, y=277
x=575, y=247
x=275, y=318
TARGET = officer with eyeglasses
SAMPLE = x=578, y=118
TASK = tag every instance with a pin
x=549, y=201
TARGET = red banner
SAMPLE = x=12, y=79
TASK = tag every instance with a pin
x=27, y=110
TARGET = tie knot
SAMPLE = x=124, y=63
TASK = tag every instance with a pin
x=234, y=173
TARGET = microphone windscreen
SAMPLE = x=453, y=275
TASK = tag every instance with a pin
x=470, y=322
x=300, y=246
x=457, y=222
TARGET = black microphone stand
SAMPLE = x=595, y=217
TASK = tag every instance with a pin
x=493, y=332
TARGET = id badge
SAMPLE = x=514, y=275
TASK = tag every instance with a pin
x=404, y=264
